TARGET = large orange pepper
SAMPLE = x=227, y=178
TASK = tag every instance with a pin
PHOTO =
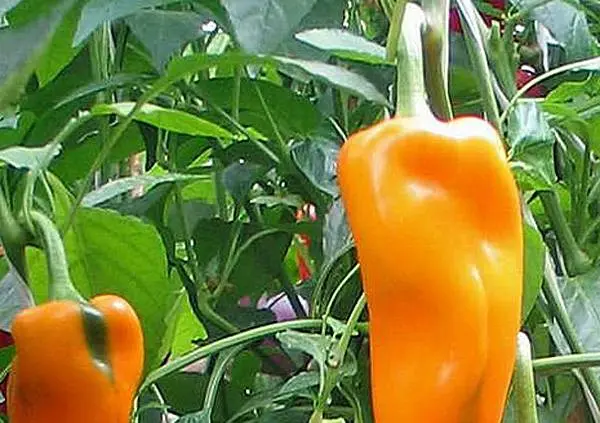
x=75, y=361
x=435, y=214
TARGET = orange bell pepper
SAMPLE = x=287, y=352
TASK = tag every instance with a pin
x=435, y=214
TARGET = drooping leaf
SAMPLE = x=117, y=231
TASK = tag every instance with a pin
x=531, y=141
x=568, y=25
x=163, y=32
x=317, y=159
x=261, y=25
x=293, y=113
x=97, y=12
x=336, y=231
x=535, y=253
x=60, y=50
x=317, y=346
x=338, y=77
x=344, y=44
x=32, y=39
x=123, y=185
x=30, y=157
x=188, y=330
x=76, y=160
x=169, y=119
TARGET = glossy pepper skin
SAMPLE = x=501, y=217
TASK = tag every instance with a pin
x=56, y=378
x=435, y=215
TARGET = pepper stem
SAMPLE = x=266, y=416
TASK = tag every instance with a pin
x=576, y=261
x=524, y=383
x=60, y=286
x=411, y=95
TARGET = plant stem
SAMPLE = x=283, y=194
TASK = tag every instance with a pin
x=326, y=270
x=411, y=94
x=524, y=384
x=337, y=291
x=576, y=261
x=556, y=302
x=396, y=20
x=336, y=358
x=551, y=365
x=220, y=190
x=476, y=49
x=437, y=56
x=580, y=208
x=237, y=88
x=202, y=290
x=221, y=344
x=60, y=284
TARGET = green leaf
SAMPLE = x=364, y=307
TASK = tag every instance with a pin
x=14, y=297
x=300, y=382
x=345, y=44
x=123, y=185
x=75, y=160
x=97, y=12
x=317, y=346
x=535, y=253
x=30, y=157
x=60, y=51
x=334, y=75
x=239, y=178
x=188, y=330
x=531, y=139
x=336, y=231
x=293, y=113
x=168, y=119
x=7, y=5
x=317, y=159
x=255, y=266
x=114, y=81
x=261, y=25
x=32, y=39
x=6, y=356
x=163, y=32
x=325, y=14
x=337, y=76
x=568, y=25
x=110, y=253
x=582, y=300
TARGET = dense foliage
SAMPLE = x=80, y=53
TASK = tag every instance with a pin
x=187, y=150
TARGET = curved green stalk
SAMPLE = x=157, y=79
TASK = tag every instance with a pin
x=411, y=95
x=437, y=56
x=556, y=302
x=224, y=343
x=60, y=285
x=475, y=46
x=523, y=383
x=551, y=365
x=576, y=261
x=589, y=63
x=336, y=359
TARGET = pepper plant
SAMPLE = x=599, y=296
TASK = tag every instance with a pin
x=199, y=190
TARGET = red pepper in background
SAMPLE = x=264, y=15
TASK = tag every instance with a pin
x=455, y=24
x=5, y=341
x=523, y=76
x=307, y=211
